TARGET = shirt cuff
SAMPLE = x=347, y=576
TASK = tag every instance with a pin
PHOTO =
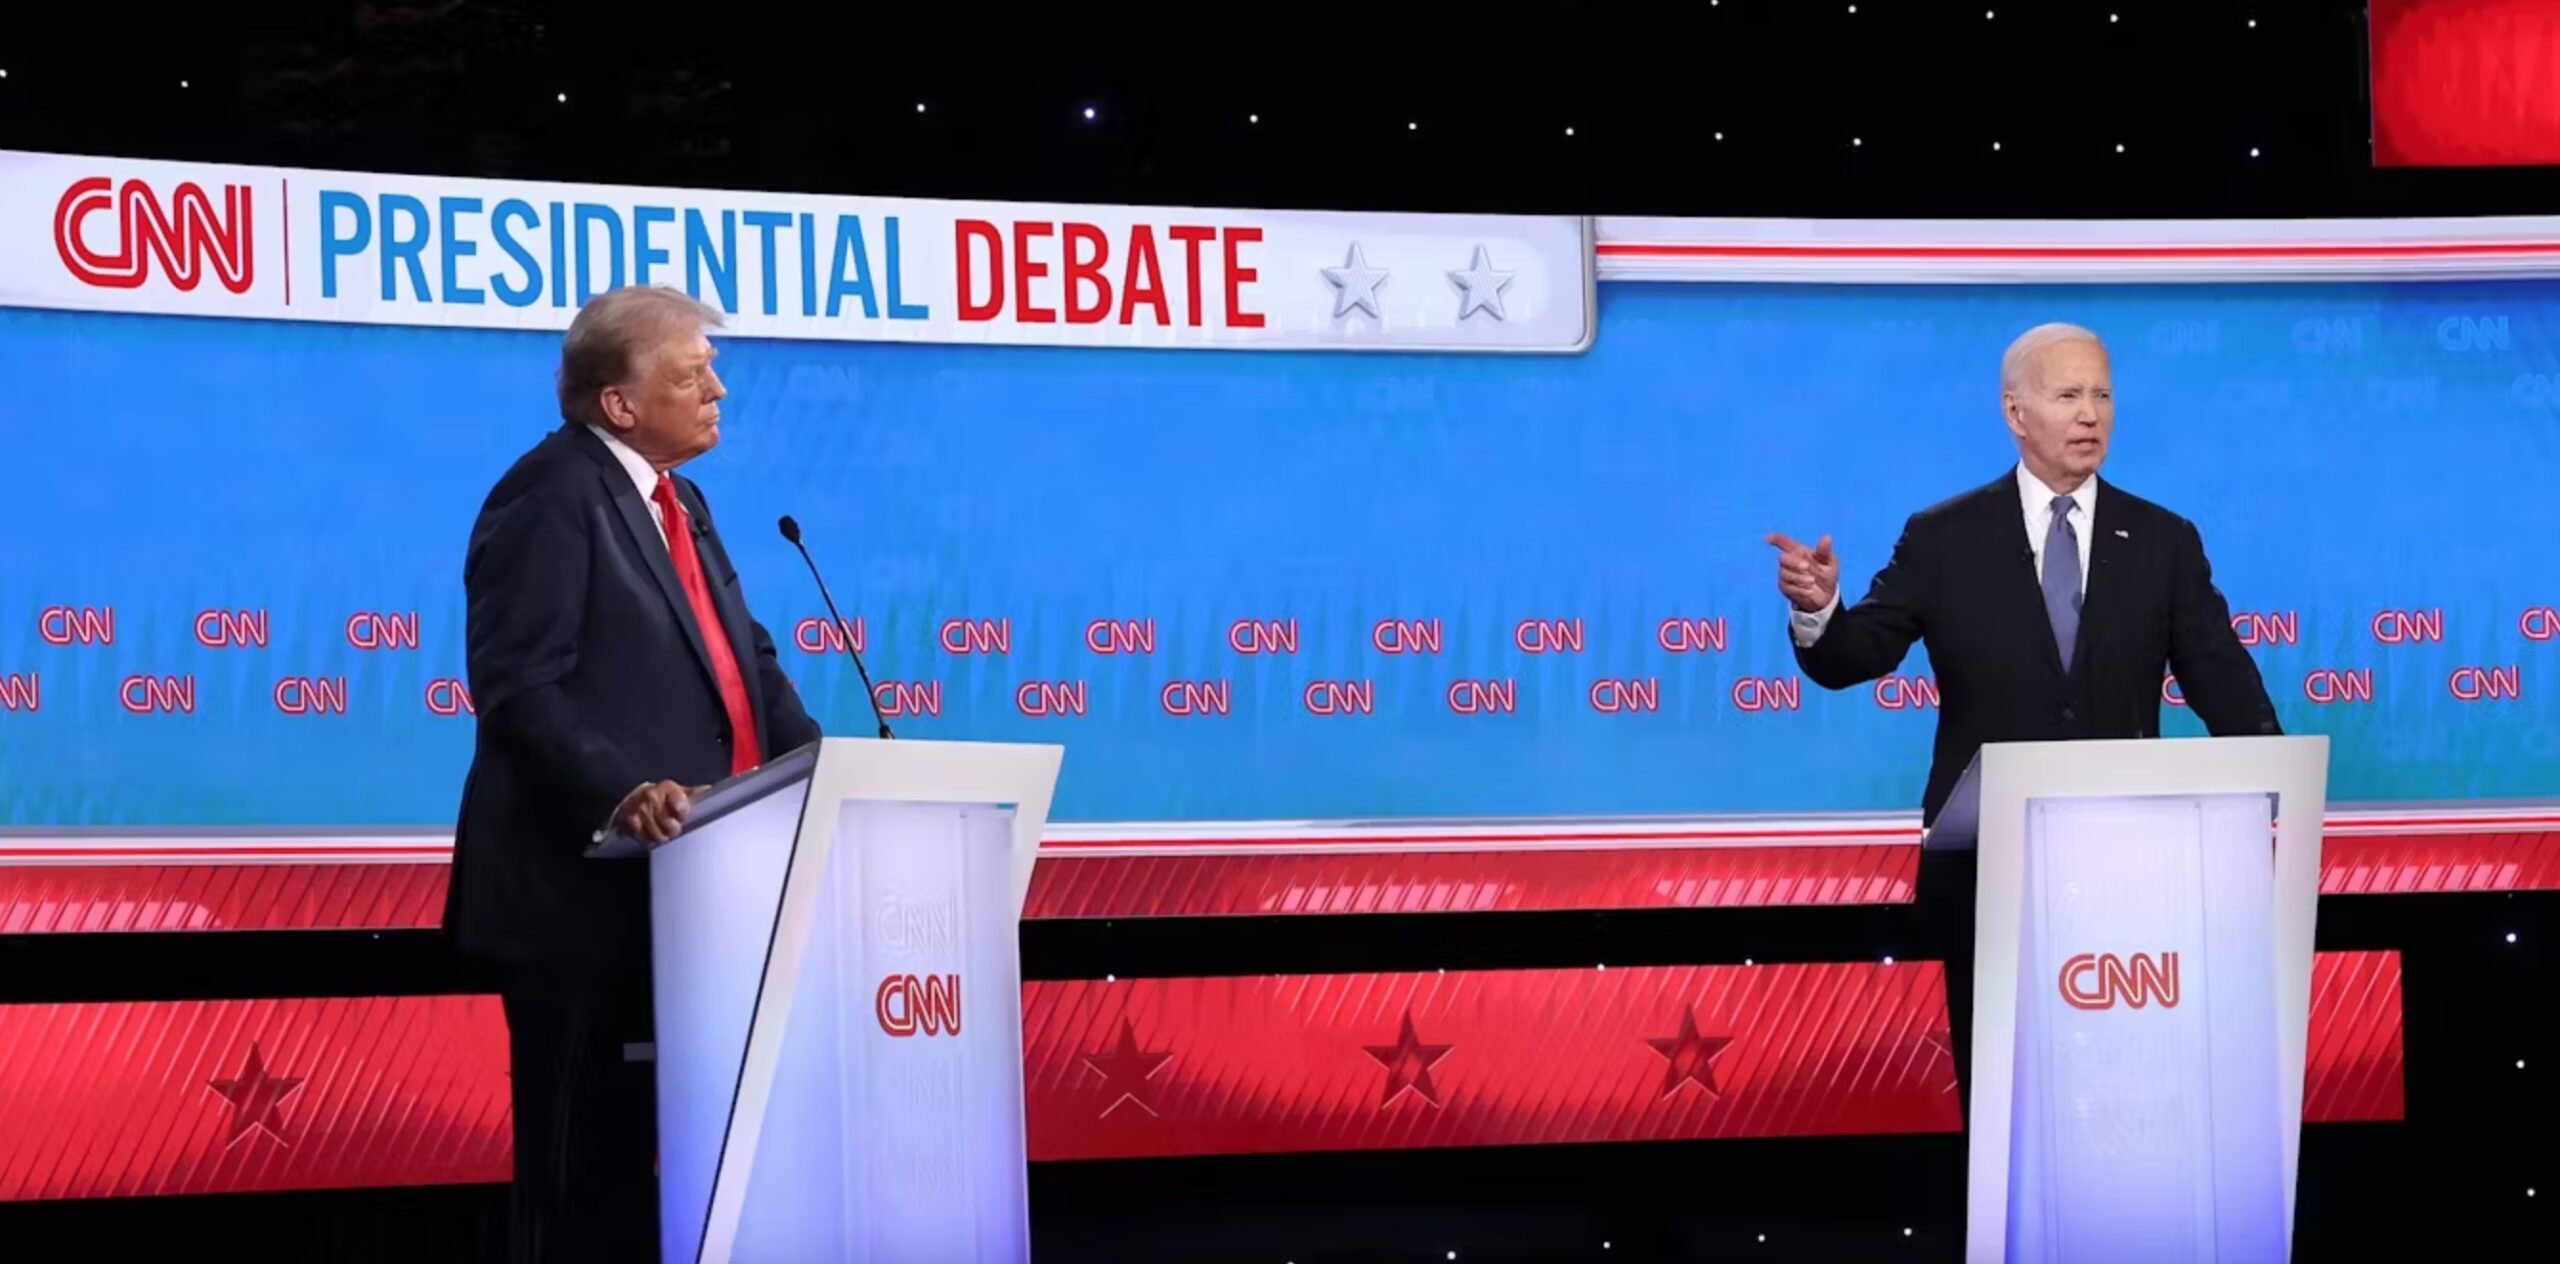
x=1807, y=628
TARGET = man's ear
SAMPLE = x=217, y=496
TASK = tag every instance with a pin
x=616, y=410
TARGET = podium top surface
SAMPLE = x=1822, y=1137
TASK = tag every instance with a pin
x=945, y=771
x=720, y=799
x=2125, y=766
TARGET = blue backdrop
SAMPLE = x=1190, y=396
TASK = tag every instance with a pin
x=2366, y=461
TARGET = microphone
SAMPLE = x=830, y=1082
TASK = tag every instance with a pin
x=791, y=532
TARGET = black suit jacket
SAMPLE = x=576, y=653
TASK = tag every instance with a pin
x=1963, y=580
x=589, y=676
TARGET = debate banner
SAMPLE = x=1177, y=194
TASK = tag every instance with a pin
x=1266, y=516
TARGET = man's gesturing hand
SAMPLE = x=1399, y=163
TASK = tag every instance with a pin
x=1810, y=578
x=655, y=812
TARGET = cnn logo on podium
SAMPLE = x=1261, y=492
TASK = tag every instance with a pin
x=2102, y=980
x=909, y=1003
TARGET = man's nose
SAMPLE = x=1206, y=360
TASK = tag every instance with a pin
x=719, y=390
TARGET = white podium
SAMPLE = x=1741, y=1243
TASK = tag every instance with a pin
x=839, y=1013
x=2142, y=994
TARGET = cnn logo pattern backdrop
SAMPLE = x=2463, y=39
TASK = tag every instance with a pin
x=1283, y=585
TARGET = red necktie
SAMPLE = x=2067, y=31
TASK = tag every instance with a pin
x=743, y=754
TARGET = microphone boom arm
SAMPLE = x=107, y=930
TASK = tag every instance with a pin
x=791, y=532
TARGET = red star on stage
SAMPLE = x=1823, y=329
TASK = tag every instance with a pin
x=257, y=1099
x=1408, y=1062
x=1127, y=1068
x=1692, y=1056
x=1939, y=1039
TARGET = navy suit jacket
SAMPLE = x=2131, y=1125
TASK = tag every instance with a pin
x=589, y=676
x=1963, y=580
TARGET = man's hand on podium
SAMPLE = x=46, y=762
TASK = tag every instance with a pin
x=1810, y=578
x=654, y=813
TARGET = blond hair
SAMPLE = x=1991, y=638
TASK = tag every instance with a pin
x=609, y=334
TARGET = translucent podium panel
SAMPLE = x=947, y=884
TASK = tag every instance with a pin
x=716, y=892
x=892, y=1128
x=2148, y=1123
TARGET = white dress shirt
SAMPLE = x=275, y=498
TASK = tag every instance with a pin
x=643, y=475
x=2035, y=500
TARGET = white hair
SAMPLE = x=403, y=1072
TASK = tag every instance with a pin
x=2014, y=362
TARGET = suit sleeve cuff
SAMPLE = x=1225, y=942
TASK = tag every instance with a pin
x=1807, y=628
x=605, y=830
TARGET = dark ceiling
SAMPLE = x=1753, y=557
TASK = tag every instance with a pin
x=1891, y=110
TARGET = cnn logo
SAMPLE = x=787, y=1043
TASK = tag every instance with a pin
x=908, y=1003
x=187, y=235
x=2101, y=980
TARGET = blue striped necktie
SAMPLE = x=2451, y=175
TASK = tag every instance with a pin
x=2062, y=578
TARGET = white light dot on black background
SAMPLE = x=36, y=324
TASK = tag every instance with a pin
x=562, y=98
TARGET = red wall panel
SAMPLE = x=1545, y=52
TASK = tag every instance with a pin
x=2461, y=83
x=195, y=1097
x=190, y=1097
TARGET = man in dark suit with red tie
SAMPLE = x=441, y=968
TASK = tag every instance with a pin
x=615, y=672
x=2051, y=603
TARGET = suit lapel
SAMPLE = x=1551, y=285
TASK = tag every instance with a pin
x=2106, y=517
x=2009, y=527
x=640, y=522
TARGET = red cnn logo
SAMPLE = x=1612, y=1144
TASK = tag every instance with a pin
x=907, y=1002
x=187, y=236
x=2098, y=980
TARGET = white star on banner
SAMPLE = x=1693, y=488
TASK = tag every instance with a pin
x=1355, y=285
x=1482, y=286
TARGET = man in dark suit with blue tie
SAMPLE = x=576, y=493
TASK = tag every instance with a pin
x=2051, y=603
x=615, y=672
